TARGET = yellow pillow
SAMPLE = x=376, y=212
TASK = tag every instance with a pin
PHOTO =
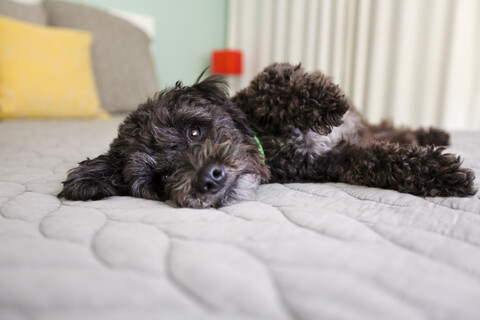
x=46, y=72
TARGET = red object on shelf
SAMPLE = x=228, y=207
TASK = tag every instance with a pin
x=227, y=62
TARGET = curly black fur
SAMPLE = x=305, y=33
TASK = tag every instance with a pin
x=284, y=95
x=154, y=158
x=309, y=132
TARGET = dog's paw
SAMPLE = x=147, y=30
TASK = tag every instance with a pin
x=432, y=137
x=283, y=95
x=449, y=178
x=458, y=183
x=91, y=180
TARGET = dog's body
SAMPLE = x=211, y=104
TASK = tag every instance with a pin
x=196, y=146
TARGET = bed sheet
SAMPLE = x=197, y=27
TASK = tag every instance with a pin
x=300, y=251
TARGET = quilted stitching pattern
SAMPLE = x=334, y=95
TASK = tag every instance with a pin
x=301, y=251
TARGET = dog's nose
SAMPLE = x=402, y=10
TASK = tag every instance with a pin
x=211, y=179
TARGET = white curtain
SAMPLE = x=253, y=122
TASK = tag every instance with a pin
x=416, y=62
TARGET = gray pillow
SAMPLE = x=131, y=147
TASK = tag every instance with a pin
x=34, y=13
x=122, y=61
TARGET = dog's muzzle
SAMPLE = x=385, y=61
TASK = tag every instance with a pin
x=211, y=179
x=216, y=173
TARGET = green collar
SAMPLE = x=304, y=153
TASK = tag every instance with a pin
x=260, y=148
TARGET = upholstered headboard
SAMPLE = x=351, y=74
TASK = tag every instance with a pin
x=121, y=51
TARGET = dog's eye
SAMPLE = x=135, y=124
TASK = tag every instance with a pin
x=193, y=133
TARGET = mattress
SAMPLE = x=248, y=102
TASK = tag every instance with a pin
x=300, y=251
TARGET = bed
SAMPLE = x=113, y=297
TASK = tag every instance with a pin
x=300, y=251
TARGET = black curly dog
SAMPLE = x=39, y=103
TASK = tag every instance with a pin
x=195, y=145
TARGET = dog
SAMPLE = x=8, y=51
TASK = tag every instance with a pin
x=198, y=147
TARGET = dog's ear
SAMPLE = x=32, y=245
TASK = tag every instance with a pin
x=239, y=118
x=91, y=180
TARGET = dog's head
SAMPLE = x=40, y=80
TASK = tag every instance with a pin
x=189, y=144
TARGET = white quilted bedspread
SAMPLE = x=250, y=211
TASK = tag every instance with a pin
x=301, y=251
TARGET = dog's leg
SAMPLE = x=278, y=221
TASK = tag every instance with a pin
x=91, y=180
x=424, y=171
x=283, y=96
x=386, y=131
